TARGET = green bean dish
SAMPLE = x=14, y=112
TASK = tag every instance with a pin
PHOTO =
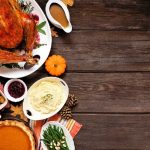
x=54, y=138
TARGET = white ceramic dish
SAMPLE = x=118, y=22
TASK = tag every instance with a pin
x=31, y=113
x=9, y=97
x=68, y=29
x=6, y=101
x=43, y=51
x=69, y=138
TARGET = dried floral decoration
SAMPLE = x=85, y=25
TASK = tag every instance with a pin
x=68, y=2
x=18, y=110
x=54, y=33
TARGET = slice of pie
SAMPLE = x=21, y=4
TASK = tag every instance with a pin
x=15, y=135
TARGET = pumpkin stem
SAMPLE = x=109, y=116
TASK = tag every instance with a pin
x=55, y=65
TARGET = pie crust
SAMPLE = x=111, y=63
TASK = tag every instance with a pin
x=23, y=127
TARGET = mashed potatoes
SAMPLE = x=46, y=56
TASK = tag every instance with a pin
x=46, y=96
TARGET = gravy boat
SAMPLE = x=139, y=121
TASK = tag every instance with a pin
x=67, y=29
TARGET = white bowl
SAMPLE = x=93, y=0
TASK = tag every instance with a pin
x=9, y=97
x=69, y=138
x=5, y=102
x=33, y=114
x=67, y=29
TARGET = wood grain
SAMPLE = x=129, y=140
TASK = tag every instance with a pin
x=106, y=93
x=109, y=14
x=113, y=132
x=111, y=92
x=105, y=51
x=124, y=48
x=108, y=56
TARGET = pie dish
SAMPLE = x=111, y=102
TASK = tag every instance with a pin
x=16, y=135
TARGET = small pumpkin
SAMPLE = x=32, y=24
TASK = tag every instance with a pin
x=55, y=65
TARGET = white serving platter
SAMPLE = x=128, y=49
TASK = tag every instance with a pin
x=42, y=51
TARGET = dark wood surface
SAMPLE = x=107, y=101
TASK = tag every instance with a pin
x=108, y=56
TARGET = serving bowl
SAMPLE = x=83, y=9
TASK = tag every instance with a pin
x=29, y=109
x=6, y=92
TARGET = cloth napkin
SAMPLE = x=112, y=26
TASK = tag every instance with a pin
x=72, y=126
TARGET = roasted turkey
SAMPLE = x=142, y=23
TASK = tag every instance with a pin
x=15, y=26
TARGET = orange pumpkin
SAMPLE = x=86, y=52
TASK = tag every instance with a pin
x=55, y=65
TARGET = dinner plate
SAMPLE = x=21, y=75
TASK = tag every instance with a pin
x=43, y=51
x=69, y=138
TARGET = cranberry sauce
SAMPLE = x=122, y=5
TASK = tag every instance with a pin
x=16, y=89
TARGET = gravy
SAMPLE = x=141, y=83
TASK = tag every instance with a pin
x=58, y=14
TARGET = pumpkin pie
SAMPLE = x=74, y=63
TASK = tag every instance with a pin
x=15, y=135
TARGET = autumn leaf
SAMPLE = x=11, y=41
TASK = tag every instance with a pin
x=18, y=110
x=54, y=33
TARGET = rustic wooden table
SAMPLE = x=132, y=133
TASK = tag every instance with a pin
x=108, y=56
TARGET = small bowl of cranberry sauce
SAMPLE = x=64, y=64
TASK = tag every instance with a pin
x=15, y=90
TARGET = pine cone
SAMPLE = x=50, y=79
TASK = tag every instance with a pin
x=72, y=101
x=66, y=113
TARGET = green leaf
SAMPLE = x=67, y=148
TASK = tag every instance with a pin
x=42, y=31
x=40, y=26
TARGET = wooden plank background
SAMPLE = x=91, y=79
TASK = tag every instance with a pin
x=108, y=56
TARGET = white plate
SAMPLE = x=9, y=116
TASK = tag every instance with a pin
x=36, y=115
x=69, y=138
x=43, y=51
x=6, y=101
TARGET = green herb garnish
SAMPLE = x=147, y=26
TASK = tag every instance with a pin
x=47, y=97
x=40, y=26
x=54, y=138
x=11, y=65
x=38, y=45
x=26, y=6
